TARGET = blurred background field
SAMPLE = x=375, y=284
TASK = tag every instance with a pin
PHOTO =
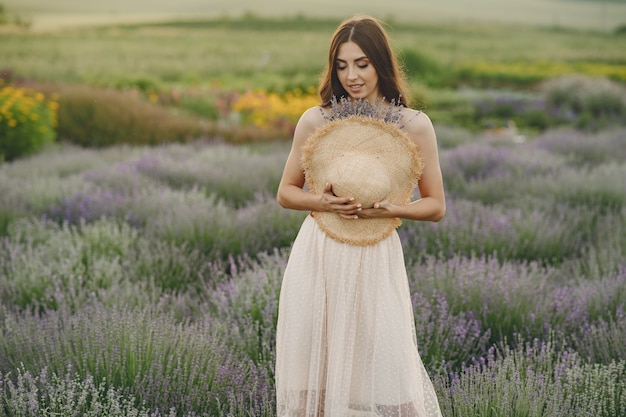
x=223, y=74
x=602, y=15
x=142, y=249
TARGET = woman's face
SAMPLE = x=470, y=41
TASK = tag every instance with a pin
x=356, y=73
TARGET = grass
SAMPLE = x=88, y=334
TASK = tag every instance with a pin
x=217, y=52
x=602, y=15
x=202, y=61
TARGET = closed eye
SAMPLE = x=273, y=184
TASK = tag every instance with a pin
x=343, y=67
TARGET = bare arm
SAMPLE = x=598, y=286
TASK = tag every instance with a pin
x=431, y=206
x=290, y=190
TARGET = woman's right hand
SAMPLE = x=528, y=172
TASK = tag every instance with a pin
x=346, y=207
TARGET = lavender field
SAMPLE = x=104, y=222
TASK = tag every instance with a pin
x=144, y=281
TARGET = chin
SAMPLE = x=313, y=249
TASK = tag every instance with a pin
x=358, y=96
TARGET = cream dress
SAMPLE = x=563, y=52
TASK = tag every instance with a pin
x=346, y=344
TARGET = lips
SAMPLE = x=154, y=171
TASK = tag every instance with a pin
x=355, y=87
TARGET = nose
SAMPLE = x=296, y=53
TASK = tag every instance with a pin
x=352, y=73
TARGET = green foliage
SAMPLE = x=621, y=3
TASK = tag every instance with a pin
x=27, y=122
x=252, y=22
x=13, y=19
x=421, y=67
x=557, y=14
x=143, y=84
x=3, y=15
x=97, y=117
x=279, y=54
x=192, y=76
x=201, y=106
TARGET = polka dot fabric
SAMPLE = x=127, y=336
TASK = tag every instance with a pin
x=346, y=343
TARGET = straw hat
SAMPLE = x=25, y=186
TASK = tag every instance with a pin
x=368, y=159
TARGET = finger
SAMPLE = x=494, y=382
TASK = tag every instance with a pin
x=380, y=204
x=343, y=202
x=349, y=208
x=348, y=202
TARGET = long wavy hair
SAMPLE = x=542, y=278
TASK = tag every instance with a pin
x=371, y=37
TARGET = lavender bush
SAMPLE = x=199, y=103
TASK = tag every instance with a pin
x=216, y=228
x=472, y=228
x=163, y=363
x=446, y=338
x=508, y=298
x=177, y=194
x=216, y=169
x=29, y=187
x=48, y=395
x=145, y=281
x=46, y=265
x=470, y=165
x=580, y=149
x=248, y=302
x=587, y=102
x=534, y=380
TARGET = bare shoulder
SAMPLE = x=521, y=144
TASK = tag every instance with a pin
x=310, y=120
x=418, y=126
x=312, y=117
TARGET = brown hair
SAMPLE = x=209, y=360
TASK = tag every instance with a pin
x=371, y=37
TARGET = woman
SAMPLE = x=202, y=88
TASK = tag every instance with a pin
x=346, y=337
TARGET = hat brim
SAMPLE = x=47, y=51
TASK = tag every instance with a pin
x=398, y=160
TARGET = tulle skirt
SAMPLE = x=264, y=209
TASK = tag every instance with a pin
x=346, y=343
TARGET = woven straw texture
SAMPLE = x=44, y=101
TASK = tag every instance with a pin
x=367, y=159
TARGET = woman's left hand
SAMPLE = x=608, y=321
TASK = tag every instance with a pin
x=381, y=209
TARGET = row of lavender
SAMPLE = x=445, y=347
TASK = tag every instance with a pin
x=144, y=281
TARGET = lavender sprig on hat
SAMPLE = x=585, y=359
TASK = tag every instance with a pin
x=388, y=112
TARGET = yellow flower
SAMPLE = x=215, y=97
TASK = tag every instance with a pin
x=12, y=123
x=264, y=109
